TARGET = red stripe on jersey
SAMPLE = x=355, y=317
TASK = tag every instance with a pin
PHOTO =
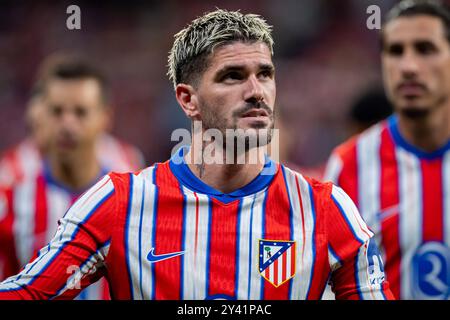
x=7, y=244
x=284, y=266
x=168, y=234
x=432, y=210
x=348, y=154
x=40, y=218
x=389, y=201
x=321, y=194
x=118, y=276
x=277, y=227
x=275, y=267
x=222, y=255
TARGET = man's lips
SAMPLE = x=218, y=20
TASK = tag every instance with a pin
x=255, y=113
x=66, y=143
x=411, y=89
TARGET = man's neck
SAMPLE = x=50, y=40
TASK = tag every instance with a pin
x=224, y=177
x=429, y=132
x=76, y=173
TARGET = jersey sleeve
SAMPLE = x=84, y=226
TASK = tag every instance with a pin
x=357, y=271
x=75, y=256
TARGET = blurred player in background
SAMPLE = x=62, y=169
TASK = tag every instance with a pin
x=25, y=159
x=188, y=229
x=368, y=109
x=398, y=171
x=68, y=115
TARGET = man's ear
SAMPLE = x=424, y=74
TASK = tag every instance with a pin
x=187, y=99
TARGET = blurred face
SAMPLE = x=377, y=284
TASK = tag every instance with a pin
x=416, y=64
x=237, y=91
x=76, y=115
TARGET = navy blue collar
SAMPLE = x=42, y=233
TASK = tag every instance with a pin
x=48, y=177
x=400, y=141
x=187, y=178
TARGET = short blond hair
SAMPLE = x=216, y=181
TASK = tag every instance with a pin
x=193, y=45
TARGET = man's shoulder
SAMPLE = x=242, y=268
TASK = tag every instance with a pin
x=347, y=149
x=311, y=183
x=127, y=179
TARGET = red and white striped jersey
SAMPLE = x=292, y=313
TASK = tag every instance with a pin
x=164, y=234
x=404, y=196
x=20, y=162
x=29, y=213
x=25, y=161
x=37, y=202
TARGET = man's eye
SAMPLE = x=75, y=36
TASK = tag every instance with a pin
x=425, y=48
x=266, y=74
x=233, y=76
x=56, y=111
x=395, y=50
x=80, y=112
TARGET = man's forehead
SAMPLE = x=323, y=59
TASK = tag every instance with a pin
x=240, y=53
x=411, y=28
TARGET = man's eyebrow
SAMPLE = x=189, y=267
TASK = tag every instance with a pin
x=240, y=67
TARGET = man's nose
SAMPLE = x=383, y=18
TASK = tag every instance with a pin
x=409, y=65
x=254, y=90
x=68, y=120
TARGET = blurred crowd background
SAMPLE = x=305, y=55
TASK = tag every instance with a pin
x=326, y=59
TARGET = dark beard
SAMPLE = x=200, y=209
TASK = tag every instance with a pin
x=212, y=121
x=415, y=114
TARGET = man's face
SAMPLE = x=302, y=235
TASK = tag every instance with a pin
x=76, y=115
x=237, y=91
x=416, y=64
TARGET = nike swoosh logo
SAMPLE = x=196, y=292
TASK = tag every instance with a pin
x=160, y=257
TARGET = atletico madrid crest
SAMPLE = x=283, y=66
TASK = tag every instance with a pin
x=276, y=260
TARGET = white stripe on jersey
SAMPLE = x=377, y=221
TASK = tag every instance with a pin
x=24, y=214
x=410, y=214
x=365, y=289
x=79, y=212
x=351, y=214
x=199, y=275
x=255, y=279
x=189, y=245
x=29, y=159
x=134, y=219
x=140, y=223
x=244, y=245
x=446, y=195
x=194, y=261
x=369, y=173
x=333, y=169
x=58, y=202
x=147, y=227
x=304, y=258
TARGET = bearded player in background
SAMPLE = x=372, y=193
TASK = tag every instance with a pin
x=398, y=171
x=26, y=159
x=194, y=229
x=68, y=115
